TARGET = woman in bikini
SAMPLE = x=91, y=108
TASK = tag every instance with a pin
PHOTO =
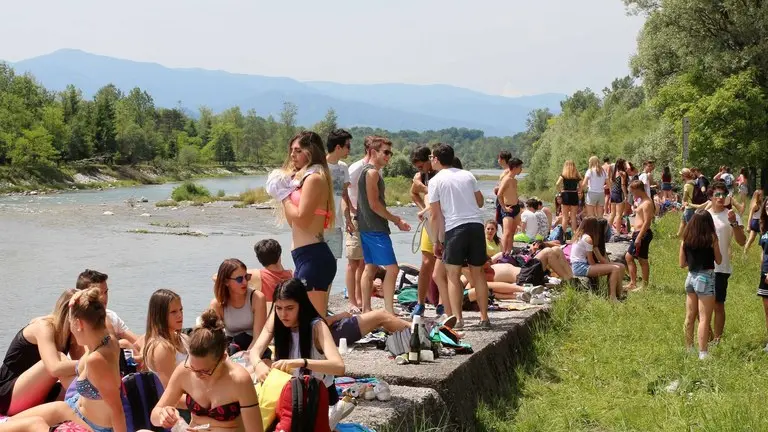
x=569, y=184
x=96, y=405
x=242, y=308
x=36, y=368
x=219, y=393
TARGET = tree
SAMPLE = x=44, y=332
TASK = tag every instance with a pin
x=53, y=122
x=327, y=124
x=221, y=144
x=205, y=124
x=34, y=147
x=105, y=131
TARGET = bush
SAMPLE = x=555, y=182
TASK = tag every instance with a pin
x=397, y=190
x=399, y=166
x=255, y=196
x=166, y=203
x=221, y=193
x=190, y=191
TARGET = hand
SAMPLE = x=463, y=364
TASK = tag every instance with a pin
x=341, y=315
x=496, y=190
x=766, y=278
x=508, y=208
x=403, y=225
x=168, y=416
x=288, y=366
x=350, y=226
x=438, y=249
x=261, y=370
x=731, y=216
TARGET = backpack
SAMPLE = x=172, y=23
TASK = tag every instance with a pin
x=698, y=197
x=727, y=178
x=303, y=406
x=140, y=393
x=531, y=273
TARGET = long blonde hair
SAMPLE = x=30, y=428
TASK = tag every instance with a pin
x=59, y=319
x=312, y=143
x=569, y=171
x=594, y=165
x=757, y=200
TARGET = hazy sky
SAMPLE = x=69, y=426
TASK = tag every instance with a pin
x=510, y=47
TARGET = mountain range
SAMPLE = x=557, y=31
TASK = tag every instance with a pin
x=388, y=106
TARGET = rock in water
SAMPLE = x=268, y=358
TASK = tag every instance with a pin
x=107, y=213
x=146, y=215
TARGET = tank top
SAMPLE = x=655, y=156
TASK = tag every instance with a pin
x=295, y=353
x=580, y=249
x=367, y=219
x=570, y=185
x=666, y=178
x=617, y=188
x=426, y=177
x=700, y=258
x=239, y=320
x=270, y=279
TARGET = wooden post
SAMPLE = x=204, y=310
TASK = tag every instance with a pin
x=686, y=130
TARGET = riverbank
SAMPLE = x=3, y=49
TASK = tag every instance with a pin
x=52, y=179
x=623, y=366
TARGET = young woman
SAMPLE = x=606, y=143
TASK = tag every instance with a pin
x=666, y=185
x=165, y=347
x=96, y=405
x=587, y=261
x=36, y=368
x=595, y=181
x=303, y=342
x=568, y=184
x=755, y=212
x=492, y=241
x=699, y=251
x=742, y=184
x=618, y=194
x=762, y=289
x=310, y=210
x=218, y=392
x=242, y=308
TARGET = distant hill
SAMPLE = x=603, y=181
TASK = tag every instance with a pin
x=388, y=106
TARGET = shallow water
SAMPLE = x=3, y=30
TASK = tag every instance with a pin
x=46, y=241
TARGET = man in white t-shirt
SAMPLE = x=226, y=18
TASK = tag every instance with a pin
x=647, y=176
x=355, y=264
x=727, y=225
x=529, y=224
x=95, y=279
x=338, y=144
x=455, y=202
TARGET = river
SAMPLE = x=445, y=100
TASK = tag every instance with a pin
x=46, y=241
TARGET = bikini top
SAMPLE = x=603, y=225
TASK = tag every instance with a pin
x=296, y=198
x=84, y=386
x=223, y=413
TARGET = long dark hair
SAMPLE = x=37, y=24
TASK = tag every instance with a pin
x=294, y=289
x=621, y=165
x=666, y=176
x=699, y=230
x=496, y=234
x=763, y=217
x=589, y=226
x=602, y=224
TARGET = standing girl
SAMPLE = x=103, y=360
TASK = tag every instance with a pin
x=595, y=180
x=699, y=251
x=568, y=183
x=618, y=194
x=666, y=185
x=755, y=211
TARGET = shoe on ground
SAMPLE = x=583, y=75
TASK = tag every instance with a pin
x=418, y=310
x=484, y=325
x=382, y=391
x=554, y=280
x=533, y=290
x=703, y=355
x=439, y=310
x=341, y=410
x=540, y=299
x=523, y=297
x=766, y=348
x=448, y=321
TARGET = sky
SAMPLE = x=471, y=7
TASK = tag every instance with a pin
x=501, y=47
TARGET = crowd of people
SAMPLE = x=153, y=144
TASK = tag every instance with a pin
x=465, y=258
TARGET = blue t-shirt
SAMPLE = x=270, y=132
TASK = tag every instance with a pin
x=764, y=244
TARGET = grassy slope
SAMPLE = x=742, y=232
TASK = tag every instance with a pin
x=598, y=365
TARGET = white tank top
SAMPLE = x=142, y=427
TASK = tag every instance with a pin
x=295, y=353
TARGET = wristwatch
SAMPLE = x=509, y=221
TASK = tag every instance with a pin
x=734, y=224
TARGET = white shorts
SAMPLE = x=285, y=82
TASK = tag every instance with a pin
x=594, y=198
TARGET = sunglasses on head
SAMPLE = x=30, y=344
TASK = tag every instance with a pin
x=240, y=279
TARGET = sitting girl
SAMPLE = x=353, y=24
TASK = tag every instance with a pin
x=37, y=360
x=219, y=393
x=588, y=261
x=97, y=404
x=165, y=347
x=303, y=342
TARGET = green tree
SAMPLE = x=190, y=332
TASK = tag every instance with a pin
x=33, y=147
x=327, y=124
x=105, y=131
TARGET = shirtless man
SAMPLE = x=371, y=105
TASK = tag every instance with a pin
x=642, y=236
x=509, y=205
x=504, y=157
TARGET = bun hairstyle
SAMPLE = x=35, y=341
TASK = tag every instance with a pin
x=208, y=339
x=86, y=305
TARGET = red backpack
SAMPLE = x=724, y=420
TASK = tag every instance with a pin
x=303, y=406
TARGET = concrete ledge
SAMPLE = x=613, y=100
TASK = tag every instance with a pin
x=408, y=410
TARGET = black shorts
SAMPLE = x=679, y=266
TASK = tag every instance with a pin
x=754, y=225
x=315, y=265
x=570, y=198
x=347, y=328
x=465, y=243
x=721, y=286
x=617, y=197
x=640, y=251
x=502, y=212
x=762, y=287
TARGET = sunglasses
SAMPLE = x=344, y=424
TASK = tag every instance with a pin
x=719, y=194
x=240, y=279
x=387, y=152
x=201, y=372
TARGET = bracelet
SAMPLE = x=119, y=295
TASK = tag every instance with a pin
x=305, y=363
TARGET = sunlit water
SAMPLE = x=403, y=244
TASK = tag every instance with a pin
x=46, y=241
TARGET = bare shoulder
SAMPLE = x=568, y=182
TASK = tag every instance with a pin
x=239, y=374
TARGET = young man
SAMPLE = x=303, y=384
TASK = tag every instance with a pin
x=529, y=224
x=93, y=278
x=455, y=201
x=373, y=221
x=642, y=236
x=647, y=176
x=728, y=226
x=509, y=205
x=268, y=252
x=354, y=248
x=420, y=158
x=338, y=144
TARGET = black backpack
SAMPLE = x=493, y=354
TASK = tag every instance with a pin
x=699, y=197
x=140, y=393
x=531, y=273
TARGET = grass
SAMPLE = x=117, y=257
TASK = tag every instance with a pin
x=254, y=196
x=171, y=224
x=397, y=190
x=604, y=367
x=166, y=203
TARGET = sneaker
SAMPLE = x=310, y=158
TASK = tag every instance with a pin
x=523, y=297
x=703, y=355
x=540, y=299
x=554, y=280
x=418, y=310
x=440, y=310
x=533, y=290
x=484, y=325
x=382, y=391
x=766, y=348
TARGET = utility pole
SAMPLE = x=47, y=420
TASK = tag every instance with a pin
x=686, y=130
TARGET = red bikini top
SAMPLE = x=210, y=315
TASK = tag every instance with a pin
x=228, y=412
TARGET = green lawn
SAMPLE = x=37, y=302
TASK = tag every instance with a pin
x=604, y=367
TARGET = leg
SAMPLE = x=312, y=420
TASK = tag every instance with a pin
x=31, y=388
x=706, y=303
x=554, y=259
x=366, y=284
x=425, y=274
x=614, y=274
x=721, y=292
x=358, y=281
x=352, y=282
x=574, y=210
x=481, y=289
x=719, y=312
x=440, y=277
x=370, y=321
x=508, y=234
x=319, y=300
x=566, y=214
x=455, y=290
x=632, y=270
x=30, y=424
x=52, y=413
x=389, y=288
x=765, y=311
x=750, y=240
x=691, y=312
x=646, y=269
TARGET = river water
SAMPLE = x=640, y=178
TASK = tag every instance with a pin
x=46, y=241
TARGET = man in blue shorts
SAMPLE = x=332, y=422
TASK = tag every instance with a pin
x=373, y=223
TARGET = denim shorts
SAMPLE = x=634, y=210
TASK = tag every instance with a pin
x=580, y=268
x=701, y=283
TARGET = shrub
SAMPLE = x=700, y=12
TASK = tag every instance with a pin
x=397, y=189
x=190, y=191
x=166, y=203
x=255, y=196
